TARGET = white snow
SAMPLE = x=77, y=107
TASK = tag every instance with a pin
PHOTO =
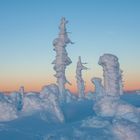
x=50, y=98
x=124, y=130
x=8, y=110
x=112, y=74
x=95, y=122
x=62, y=60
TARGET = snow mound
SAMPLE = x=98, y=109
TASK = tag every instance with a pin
x=46, y=103
x=8, y=111
x=109, y=106
x=95, y=122
x=106, y=106
x=125, y=130
x=31, y=104
x=50, y=98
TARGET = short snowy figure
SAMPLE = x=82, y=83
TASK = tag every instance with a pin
x=99, y=89
x=62, y=60
x=80, y=81
x=112, y=75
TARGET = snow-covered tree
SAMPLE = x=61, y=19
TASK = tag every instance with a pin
x=112, y=74
x=62, y=60
x=80, y=81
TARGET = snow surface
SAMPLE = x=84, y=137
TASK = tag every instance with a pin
x=35, y=121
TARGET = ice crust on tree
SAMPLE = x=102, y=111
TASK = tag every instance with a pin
x=62, y=60
x=112, y=74
x=80, y=82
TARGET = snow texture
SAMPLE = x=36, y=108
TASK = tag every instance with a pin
x=62, y=60
x=8, y=110
x=99, y=89
x=47, y=102
x=114, y=107
x=125, y=130
x=112, y=74
x=50, y=98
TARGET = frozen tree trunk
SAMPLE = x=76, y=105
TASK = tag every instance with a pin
x=80, y=81
x=20, y=98
x=21, y=90
x=62, y=60
x=112, y=76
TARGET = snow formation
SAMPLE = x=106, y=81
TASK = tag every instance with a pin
x=112, y=75
x=8, y=110
x=80, y=81
x=62, y=60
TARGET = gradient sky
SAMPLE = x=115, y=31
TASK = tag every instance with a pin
x=28, y=27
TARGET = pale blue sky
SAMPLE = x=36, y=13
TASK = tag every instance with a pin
x=28, y=27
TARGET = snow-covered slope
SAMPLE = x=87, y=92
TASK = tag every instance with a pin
x=81, y=123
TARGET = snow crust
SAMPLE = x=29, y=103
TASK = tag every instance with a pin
x=8, y=110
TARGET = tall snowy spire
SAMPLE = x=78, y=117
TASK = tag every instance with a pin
x=80, y=81
x=62, y=60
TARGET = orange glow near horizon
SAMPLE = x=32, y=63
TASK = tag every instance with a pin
x=36, y=82
x=132, y=86
x=37, y=85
